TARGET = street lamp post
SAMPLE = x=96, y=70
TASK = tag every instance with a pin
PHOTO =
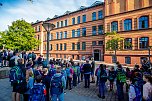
x=48, y=27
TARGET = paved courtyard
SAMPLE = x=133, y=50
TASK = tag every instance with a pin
x=78, y=93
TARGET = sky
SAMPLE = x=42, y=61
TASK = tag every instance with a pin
x=12, y=10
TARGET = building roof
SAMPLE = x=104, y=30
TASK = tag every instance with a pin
x=97, y=3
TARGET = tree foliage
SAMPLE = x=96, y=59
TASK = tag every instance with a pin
x=20, y=35
x=116, y=42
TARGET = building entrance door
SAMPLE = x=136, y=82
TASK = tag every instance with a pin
x=97, y=55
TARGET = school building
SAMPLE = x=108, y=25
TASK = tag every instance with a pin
x=81, y=34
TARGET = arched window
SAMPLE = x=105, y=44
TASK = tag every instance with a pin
x=127, y=24
x=143, y=42
x=114, y=26
x=143, y=22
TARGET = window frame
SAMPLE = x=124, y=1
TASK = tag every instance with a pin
x=78, y=44
x=73, y=33
x=126, y=47
x=94, y=16
x=114, y=26
x=73, y=46
x=140, y=22
x=94, y=30
x=84, y=18
x=73, y=21
x=141, y=44
x=127, y=60
x=127, y=24
x=100, y=32
x=100, y=15
x=78, y=20
x=84, y=31
x=83, y=45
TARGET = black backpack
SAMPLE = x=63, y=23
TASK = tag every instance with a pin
x=12, y=62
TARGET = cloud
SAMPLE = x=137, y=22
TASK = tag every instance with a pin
x=39, y=10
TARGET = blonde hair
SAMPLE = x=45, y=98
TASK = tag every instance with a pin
x=30, y=73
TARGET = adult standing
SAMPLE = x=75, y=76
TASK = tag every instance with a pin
x=87, y=71
x=121, y=79
x=92, y=70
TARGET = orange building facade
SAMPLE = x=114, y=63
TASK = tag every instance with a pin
x=132, y=19
x=80, y=34
x=77, y=35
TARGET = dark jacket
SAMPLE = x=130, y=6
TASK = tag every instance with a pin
x=86, y=68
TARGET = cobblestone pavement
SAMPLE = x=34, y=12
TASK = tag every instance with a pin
x=78, y=93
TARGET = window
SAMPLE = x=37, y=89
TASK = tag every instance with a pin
x=114, y=26
x=57, y=46
x=72, y=56
x=93, y=16
x=78, y=19
x=73, y=33
x=100, y=15
x=60, y=46
x=61, y=35
x=94, y=43
x=100, y=29
x=83, y=45
x=57, y=24
x=84, y=18
x=73, y=46
x=93, y=30
x=78, y=46
x=143, y=22
x=143, y=42
x=127, y=25
x=51, y=37
x=57, y=35
x=39, y=29
x=100, y=43
x=128, y=41
x=60, y=56
x=73, y=21
x=128, y=60
x=61, y=23
x=65, y=34
x=65, y=46
x=78, y=32
x=84, y=31
x=50, y=46
x=114, y=59
x=66, y=22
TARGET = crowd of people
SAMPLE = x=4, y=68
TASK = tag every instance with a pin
x=39, y=80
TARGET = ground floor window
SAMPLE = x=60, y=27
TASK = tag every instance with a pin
x=72, y=56
x=128, y=60
x=114, y=59
x=65, y=56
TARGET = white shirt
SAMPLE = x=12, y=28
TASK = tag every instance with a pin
x=147, y=91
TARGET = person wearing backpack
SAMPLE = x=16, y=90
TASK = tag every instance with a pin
x=58, y=84
x=120, y=80
x=75, y=69
x=17, y=79
x=69, y=72
x=147, y=88
x=102, y=80
x=14, y=60
x=38, y=92
x=134, y=92
x=111, y=77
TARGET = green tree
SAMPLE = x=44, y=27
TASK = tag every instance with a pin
x=20, y=35
x=115, y=42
